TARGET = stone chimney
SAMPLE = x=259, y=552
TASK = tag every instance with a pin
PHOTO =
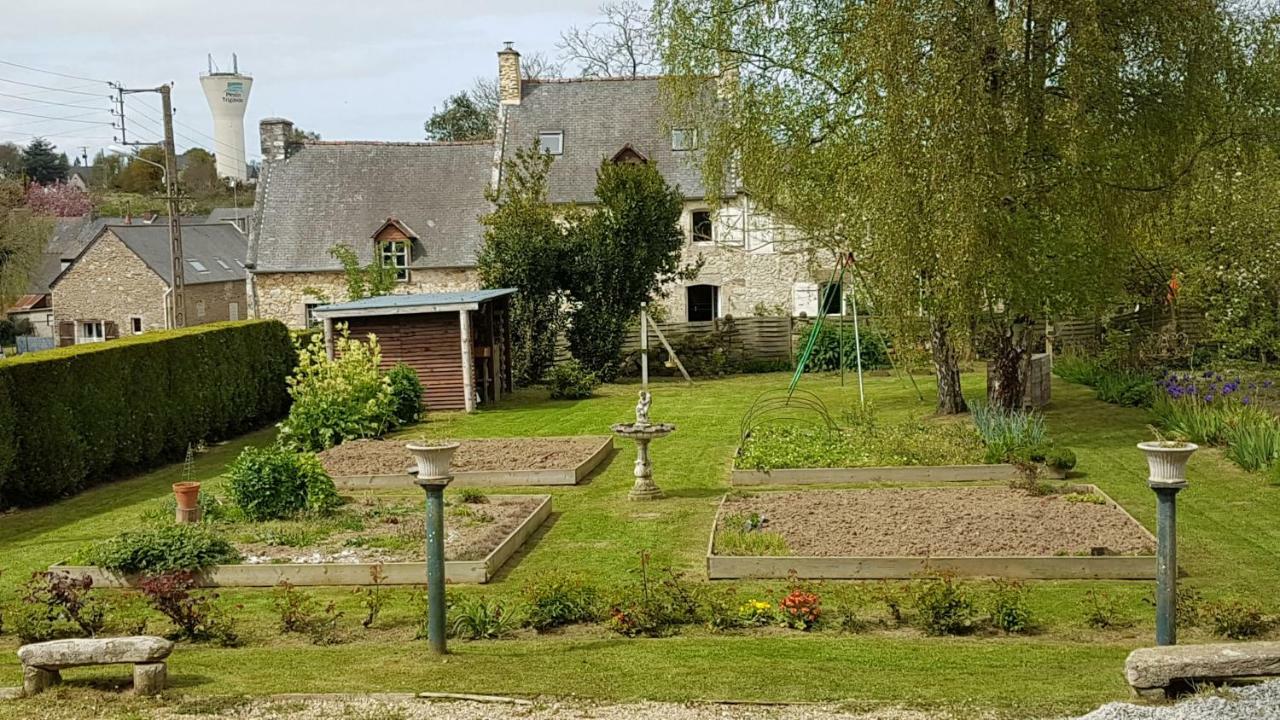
x=273, y=133
x=509, y=91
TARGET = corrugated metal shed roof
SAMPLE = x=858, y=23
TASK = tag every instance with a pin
x=410, y=303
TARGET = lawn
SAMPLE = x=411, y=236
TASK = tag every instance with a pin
x=1229, y=542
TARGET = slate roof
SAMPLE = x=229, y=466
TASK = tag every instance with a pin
x=341, y=192
x=229, y=214
x=599, y=117
x=390, y=304
x=219, y=248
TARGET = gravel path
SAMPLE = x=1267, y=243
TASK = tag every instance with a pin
x=1253, y=702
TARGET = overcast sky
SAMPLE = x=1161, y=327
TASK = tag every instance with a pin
x=348, y=69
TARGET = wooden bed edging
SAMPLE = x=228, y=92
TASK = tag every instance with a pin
x=895, y=474
x=313, y=574
x=1046, y=567
x=486, y=478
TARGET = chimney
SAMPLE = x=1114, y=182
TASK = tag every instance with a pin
x=509, y=90
x=273, y=133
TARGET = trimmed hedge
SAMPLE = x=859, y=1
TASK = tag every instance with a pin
x=75, y=416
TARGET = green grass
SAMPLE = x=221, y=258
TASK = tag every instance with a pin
x=1229, y=545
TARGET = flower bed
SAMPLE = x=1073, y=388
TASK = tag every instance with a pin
x=900, y=533
x=345, y=547
x=1211, y=409
x=477, y=462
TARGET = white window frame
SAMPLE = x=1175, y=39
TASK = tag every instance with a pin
x=693, y=226
x=197, y=265
x=557, y=135
x=135, y=324
x=394, y=254
x=309, y=320
x=688, y=137
x=84, y=334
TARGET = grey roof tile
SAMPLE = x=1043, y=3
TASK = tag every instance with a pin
x=599, y=116
x=341, y=192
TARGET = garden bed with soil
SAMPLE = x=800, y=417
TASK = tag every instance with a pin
x=901, y=532
x=361, y=464
x=346, y=547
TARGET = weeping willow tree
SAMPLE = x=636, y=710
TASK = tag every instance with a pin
x=984, y=161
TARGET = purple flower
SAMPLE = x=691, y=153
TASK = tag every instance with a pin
x=1208, y=398
x=1245, y=400
x=1266, y=384
x=1207, y=374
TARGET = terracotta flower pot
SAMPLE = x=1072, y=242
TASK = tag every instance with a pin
x=187, y=495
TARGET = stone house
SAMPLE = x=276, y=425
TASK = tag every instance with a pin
x=120, y=281
x=433, y=194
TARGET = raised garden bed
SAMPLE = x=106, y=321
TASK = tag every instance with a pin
x=479, y=539
x=379, y=464
x=884, y=533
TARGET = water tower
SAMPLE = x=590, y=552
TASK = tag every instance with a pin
x=228, y=96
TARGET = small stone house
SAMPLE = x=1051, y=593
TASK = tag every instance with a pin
x=417, y=205
x=121, y=281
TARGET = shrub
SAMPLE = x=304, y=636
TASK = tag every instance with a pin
x=653, y=608
x=570, y=381
x=56, y=604
x=195, y=617
x=1060, y=458
x=1076, y=367
x=1008, y=610
x=826, y=352
x=273, y=483
x=1101, y=611
x=372, y=597
x=301, y=612
x=744, y=535
x=476, y=618
x=558, y=601
x=1236, y=618
x=718, y=609
x=91, y=412
x=406, y=393
x=943, y=606
x=162, y=550
x=341, y=399
x=800, y=609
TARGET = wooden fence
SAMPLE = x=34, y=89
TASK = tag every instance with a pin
x=1189, y=323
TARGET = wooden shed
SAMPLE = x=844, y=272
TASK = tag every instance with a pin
x=459, y=342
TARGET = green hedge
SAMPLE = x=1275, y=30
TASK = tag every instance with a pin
x=75, y=416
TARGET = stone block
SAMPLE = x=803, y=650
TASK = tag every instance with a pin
x=57, y=654
x=1159, y=667
x=149, y=678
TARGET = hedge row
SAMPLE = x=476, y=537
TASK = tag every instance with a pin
x=75, y=416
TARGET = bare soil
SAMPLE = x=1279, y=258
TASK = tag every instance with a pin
x=394, y=532
x=388, y=457
x=941, y=522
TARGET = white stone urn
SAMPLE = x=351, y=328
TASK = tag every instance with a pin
x=1167, y=461
x=433, y=461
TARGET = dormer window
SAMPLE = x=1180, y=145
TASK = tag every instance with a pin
x=395, y=257
x=684, y=139
x=552, y=142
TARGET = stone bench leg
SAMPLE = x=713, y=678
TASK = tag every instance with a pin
x=36, y=680
x=1153, y=694
x=149, y=678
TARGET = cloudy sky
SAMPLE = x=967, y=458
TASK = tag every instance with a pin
x=348, y=69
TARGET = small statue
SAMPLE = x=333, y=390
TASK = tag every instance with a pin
x=642, y=409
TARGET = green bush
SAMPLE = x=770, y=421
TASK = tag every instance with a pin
x=1125, y=387
x=406, y=391
x=1236, y=619
x=76, y=415
x=273, y=483
x=826, y=353
x=340, y=399
x=570, y=381
x=943, y=606
x=161, y=550
x=1008, y=610
x=558, y=601
x=477, y=618
x=1060, y=458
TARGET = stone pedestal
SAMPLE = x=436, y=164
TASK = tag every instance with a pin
x=149, y=678
x=644, y=488
x=36, y=680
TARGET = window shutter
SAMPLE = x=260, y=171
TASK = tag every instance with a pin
x=66, y=333
x=804, y=299
x=112, y=330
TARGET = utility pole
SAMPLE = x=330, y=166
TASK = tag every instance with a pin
x=175, y=227
x=177, y=311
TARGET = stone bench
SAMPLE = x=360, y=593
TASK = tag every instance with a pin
x=1153, y=671
x=42, y=663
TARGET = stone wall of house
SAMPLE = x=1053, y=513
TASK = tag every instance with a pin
x=110, y=283
x=215, y=302
x=285, y=296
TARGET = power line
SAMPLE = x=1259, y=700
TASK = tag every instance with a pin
x=47, y=102
x=38, y=122
x=54, y=89
x=50, y=72
x=50, y=117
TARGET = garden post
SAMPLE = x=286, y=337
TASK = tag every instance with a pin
x=433, y=475
x=1166, y=563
